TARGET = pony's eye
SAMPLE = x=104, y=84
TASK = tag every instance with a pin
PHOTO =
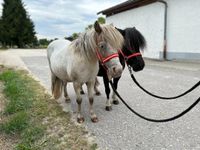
x=101, y=46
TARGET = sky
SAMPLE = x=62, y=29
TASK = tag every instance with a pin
x=61, y=18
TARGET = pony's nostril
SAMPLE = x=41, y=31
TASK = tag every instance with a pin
x=114, y=69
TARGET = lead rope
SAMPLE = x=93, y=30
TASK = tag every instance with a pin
x=150, y=119
x=161, y=97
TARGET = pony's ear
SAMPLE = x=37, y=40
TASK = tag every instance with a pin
x=97, y=27
x=121, y=31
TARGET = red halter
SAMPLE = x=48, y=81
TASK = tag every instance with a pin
x=103, y=60
x=130, y=56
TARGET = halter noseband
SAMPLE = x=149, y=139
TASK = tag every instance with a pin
x=129, y=56
x=103, y=60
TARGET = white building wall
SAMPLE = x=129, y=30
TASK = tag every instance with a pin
x=149, y=20
x=183, y=27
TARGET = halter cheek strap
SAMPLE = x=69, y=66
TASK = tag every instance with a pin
x=130, y=56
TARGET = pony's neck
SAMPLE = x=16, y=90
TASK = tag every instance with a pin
x=85, y=45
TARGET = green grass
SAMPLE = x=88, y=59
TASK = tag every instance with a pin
x=18, y=108
x=16, y=123
x=35, y=118
x=17, y=91
x=30, y=135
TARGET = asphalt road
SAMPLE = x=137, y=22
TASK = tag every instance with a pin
x=119, y=129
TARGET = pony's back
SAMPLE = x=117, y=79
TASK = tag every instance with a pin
x=59, y=44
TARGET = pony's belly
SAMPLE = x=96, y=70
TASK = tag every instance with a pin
x=61, y=74
x=84, y=73
x=81, y=72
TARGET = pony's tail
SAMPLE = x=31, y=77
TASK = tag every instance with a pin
x=56, y=86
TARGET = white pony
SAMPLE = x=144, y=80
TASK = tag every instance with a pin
x=77, y=62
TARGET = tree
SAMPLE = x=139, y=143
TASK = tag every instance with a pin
x=44, y=42
x=1, y=32
x=75, y=35
x=17, y=27
x=70, y=38
x=101, y=20
x=89, y=26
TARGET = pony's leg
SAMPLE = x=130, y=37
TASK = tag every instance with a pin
x=82, y=92
x=97, y=92
x=107, y=90
x=77, y=89
x=67, y=99
x=115, y=82
x=90, y=86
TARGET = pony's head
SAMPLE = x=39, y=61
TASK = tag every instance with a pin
x=109, y=41
x=134, y=42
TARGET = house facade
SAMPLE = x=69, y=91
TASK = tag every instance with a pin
x=171, y=27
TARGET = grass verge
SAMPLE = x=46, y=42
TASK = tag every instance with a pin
x=1, y=48
x=35, y=118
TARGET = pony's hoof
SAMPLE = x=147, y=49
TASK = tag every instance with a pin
x=116, y=102
x=80, y=120
x=98, y=93
x=108, y=108
x=82, y=92
x=94, y=119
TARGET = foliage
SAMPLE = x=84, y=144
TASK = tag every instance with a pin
x=44, y=42
x=101, y=20
x=16, y=27
x=89, y=27
x=75, y=35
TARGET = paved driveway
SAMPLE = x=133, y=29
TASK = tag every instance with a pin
x=119, y=129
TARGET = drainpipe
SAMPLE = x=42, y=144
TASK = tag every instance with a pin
x=165, y=30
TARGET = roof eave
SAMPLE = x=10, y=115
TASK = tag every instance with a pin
x=125, y=6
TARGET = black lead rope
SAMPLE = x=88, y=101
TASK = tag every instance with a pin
x=161, y=97
x=150, y=119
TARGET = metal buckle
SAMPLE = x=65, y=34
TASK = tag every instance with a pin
x=126, y=58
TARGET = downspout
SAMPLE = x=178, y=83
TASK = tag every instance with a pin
x=165, y=30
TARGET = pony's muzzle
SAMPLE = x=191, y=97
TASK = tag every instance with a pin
x=138, y=64
x=116, y=71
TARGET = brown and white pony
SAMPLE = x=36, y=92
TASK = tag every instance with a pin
x=78, y=62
